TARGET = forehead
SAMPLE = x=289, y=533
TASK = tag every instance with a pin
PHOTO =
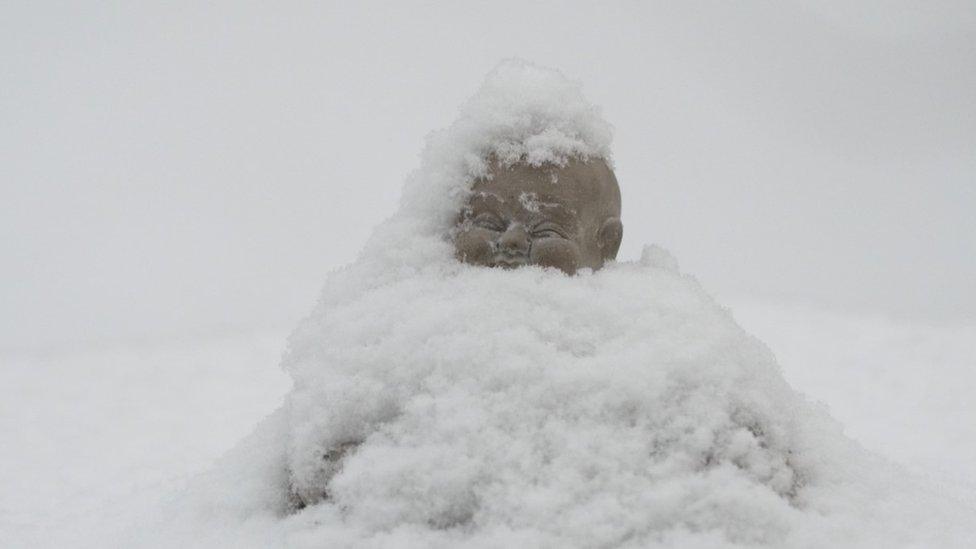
x=526, y=207
x=571, y=187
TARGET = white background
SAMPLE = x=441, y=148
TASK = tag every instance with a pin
x=197, y=169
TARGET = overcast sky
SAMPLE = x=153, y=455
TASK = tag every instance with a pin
x=172, y=170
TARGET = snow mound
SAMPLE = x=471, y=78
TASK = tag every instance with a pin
x=607, y=407
x=437, y=404
x=490, y=408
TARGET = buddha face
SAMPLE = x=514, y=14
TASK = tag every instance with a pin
x=566, y=217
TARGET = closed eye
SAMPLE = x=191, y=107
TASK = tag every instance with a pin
x=548, y=230
x=490, y=222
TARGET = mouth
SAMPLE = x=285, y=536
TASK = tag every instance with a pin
x=509, y=262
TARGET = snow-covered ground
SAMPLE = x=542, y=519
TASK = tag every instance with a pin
x=902, y=389
x=85, y=433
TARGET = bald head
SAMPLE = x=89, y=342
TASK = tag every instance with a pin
x=567, y=217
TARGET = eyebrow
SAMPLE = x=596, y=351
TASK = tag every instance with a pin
x=475, y=195
x=485, y=198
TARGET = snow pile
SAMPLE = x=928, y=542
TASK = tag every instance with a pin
x=529, y=406
x=439, y=404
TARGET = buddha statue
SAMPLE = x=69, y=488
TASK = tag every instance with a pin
x=561, y=216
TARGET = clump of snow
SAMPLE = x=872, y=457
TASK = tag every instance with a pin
x=488, y=408
x=656, y=256
x=530, y=202
x=617, y=405
x=522, y=112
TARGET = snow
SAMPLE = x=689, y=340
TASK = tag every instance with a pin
x=91, y=436
x=521, y=111
x=143, y=438
x=902, y=389
x=487, y=408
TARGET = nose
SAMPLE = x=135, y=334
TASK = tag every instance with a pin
x=515, y=240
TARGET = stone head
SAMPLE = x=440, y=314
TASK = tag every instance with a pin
x=566, y=217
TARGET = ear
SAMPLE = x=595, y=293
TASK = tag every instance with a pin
x=608, y=238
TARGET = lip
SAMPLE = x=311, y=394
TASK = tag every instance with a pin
x=509, y=262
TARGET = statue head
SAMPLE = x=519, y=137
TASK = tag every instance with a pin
x=567, y=217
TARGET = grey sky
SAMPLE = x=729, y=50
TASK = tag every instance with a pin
x=167, y=170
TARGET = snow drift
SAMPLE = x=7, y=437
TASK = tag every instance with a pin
x=486, y=408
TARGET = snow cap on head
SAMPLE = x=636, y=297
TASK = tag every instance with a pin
x=521, y=113
x=537, y=115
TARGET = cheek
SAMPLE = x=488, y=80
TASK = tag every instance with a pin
x=556, y=252
x=474, y=246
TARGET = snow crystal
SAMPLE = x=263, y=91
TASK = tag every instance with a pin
x=531, y=202
x=441, y=404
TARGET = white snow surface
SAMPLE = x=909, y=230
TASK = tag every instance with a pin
x=527, y=408
x=140, y=420
x=490, y=408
